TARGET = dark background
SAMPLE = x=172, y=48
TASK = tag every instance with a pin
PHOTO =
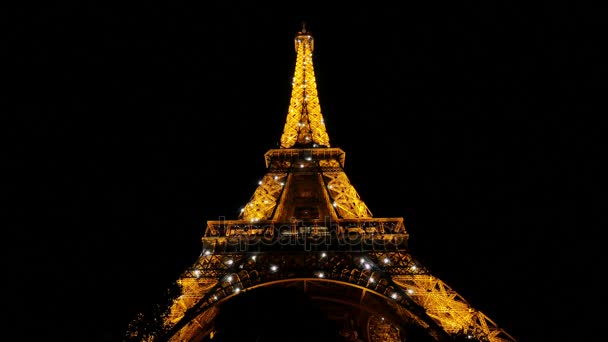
x=130, y=126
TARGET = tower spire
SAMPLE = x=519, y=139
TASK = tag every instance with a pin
x=304, y=126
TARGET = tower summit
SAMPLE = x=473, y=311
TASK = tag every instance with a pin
x=305, y=229
x=304, y=125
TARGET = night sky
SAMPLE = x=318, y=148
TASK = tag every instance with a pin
x=131, y=126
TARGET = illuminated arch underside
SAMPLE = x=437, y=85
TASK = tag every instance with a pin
x=380, y=312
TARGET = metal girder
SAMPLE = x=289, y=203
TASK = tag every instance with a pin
x=449, y=308
x=345, y=197
x=264, y=199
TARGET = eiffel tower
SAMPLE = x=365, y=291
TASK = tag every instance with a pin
x=307, y=230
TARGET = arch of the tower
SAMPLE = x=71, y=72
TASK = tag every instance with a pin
x=407, y=295
x=378, y=309
x=307, y=308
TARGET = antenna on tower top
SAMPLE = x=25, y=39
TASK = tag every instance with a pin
x=303, y=27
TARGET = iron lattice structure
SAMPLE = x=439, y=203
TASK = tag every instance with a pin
x=306, y=227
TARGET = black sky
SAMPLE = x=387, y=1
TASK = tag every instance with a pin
x=131, y=126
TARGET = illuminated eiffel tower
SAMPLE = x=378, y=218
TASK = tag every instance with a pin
x=306, y=229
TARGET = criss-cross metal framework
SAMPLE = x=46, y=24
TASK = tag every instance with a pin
x=306, y=227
